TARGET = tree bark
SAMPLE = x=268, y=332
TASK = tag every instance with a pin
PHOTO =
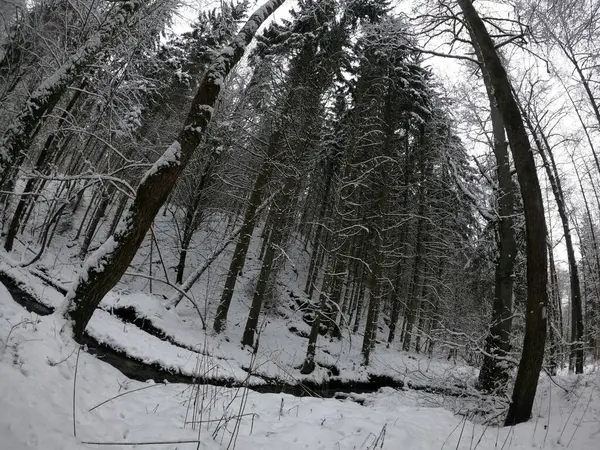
x=241, y=248
x=193, y=217
x=370, y=335
x=545, y=152
x=309, y=361
x=100, y=212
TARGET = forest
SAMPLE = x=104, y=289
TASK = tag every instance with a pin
x=337, y=224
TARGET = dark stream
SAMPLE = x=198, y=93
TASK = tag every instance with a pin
x=142, y=371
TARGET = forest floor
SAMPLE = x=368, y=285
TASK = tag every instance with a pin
x=48, y=386
x=48, y=389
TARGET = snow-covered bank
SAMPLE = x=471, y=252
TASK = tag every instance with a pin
x=134, y=363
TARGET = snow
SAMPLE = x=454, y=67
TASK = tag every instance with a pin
x=171, y=157
x=37, y=368
x=281, y=351
x=47, y=295
x=38, y=365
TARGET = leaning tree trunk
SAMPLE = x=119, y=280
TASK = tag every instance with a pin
x=535, y=224
x=103, y=270
x=313, y=270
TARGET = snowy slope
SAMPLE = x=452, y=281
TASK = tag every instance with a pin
x=283, y=332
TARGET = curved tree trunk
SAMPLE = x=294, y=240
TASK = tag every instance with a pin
x=535, y=224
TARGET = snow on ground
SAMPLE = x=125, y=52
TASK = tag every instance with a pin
x=280, y=353
x=38, y=364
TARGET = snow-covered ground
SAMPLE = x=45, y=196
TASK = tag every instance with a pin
x=47, y=389
x=38, y=364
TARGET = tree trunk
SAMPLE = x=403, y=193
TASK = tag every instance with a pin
x=553, y=319
x=545, y=151
x=537, y=262
x=395, y=314
x=103, y=270
x=413, y=300
x=265, y=277
x=98, y=215
x=192, y=217
x=313, y=269
x=494, y=372
x=118, y=214
x=241, y=248
x=309, y=364
x=370, y=335
x=377, y=258
x=81, y=227
x=359, y=295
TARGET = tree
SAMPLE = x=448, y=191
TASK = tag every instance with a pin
x=48, y=93
x=542, y=143
x=537, y=295
x=494, y=371
x=103, y=269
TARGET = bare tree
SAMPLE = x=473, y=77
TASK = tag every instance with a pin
x=537, y=295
